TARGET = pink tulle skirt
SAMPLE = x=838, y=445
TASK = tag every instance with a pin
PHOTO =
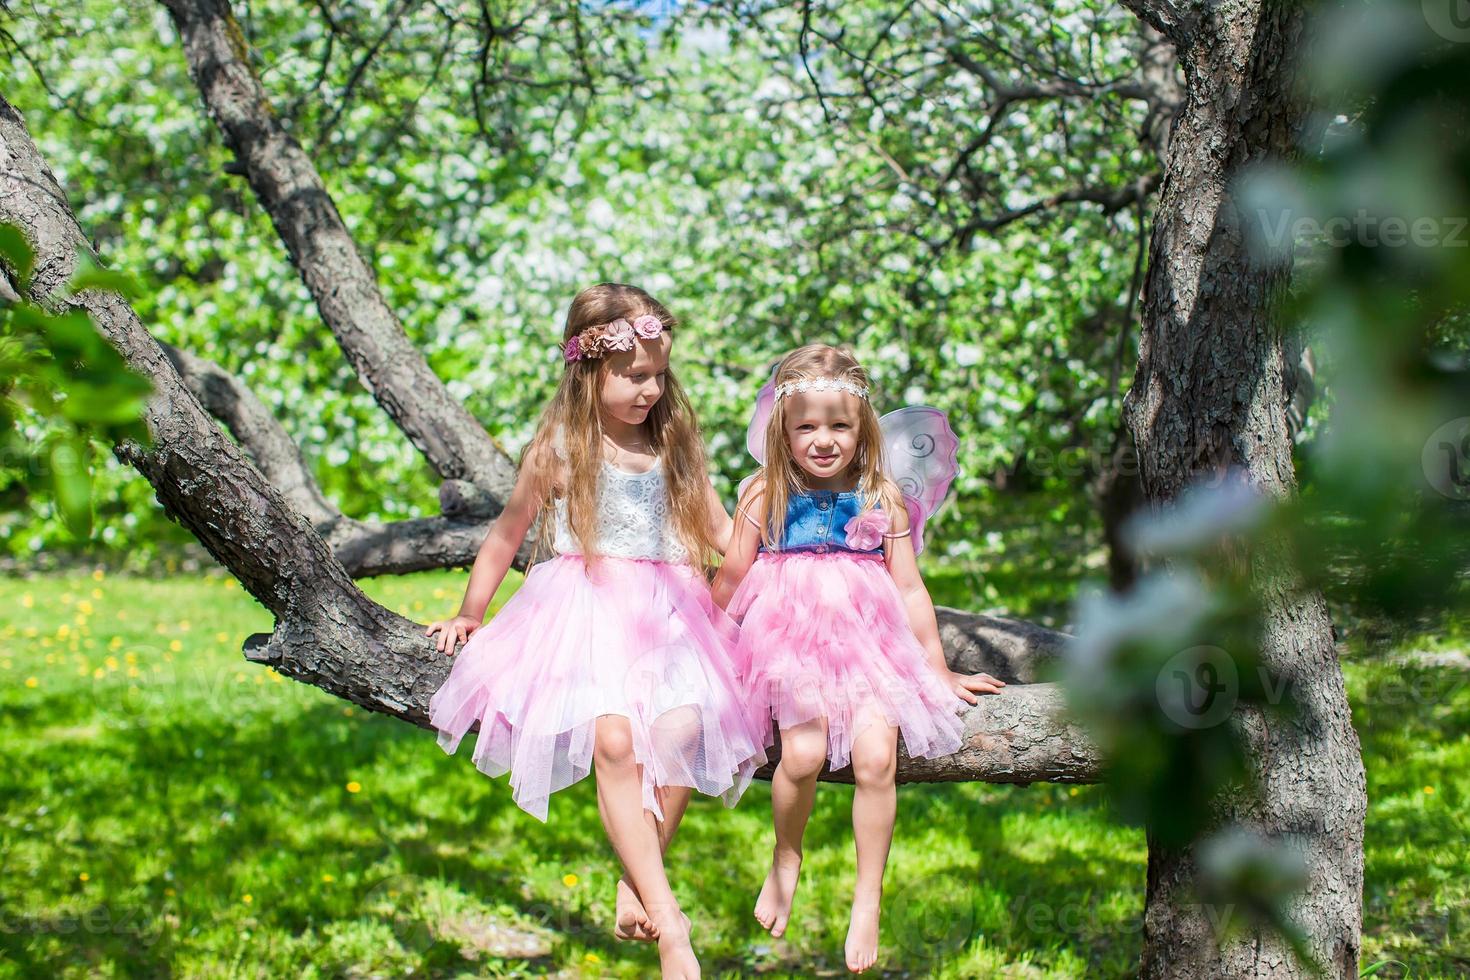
x=827, y=635
x=640, y=639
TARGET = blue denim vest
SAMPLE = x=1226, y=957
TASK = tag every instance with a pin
x=816, y=521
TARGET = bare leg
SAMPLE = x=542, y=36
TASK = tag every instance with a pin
x=631, y=919
x=874, y=808
x=793, y=790
x=636, y=843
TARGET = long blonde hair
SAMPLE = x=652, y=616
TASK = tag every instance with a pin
x=782, y=476
x=575, y=410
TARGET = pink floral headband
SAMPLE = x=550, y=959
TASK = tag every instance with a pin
x=620, y=334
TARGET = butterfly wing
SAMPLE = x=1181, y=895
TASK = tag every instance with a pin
x=755, y=432
x=921, y=455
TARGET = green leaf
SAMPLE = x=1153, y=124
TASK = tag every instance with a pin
x=17, y=252
x=90, y=275
x=71, y=480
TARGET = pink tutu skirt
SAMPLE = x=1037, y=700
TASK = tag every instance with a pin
x=641, y=639
x=827, y=635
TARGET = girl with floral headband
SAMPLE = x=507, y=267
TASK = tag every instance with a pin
x=611, y=655
x=838, y=638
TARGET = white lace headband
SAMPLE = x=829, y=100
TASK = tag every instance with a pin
x=820, y=384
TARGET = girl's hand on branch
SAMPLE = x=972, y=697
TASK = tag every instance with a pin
x=452, y=632
x=964, y=684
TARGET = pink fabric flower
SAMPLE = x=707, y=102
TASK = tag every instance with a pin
x=865, y=531
x=648, y=326
x=572, y=351
x=618, y=335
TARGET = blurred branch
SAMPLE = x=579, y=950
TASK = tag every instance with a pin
x=1111, y=200
x=344, y=98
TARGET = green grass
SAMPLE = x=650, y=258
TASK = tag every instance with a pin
x=171, y=810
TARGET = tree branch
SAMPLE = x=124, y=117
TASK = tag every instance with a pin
x=340, y=281
x=363, y=547
x=1167, y=18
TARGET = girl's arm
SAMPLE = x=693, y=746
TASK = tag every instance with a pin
x=720, y=524
x=903, y=565
x=745, y=539
x=498, y=550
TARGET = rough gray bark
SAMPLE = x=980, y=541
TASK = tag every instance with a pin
x=1211, y=392
x=1011, y=649
x=328, y=633
x=1017, y=736
x=339, y=279
x=257, y=431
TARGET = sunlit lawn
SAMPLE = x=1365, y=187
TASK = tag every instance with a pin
x=171, y=810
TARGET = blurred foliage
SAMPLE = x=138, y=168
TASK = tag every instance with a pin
x=56, y=367
x=711, y=178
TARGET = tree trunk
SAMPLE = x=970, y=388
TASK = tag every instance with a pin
x=339, y=279
x=1210, y=392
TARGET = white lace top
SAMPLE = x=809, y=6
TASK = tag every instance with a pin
x=632, y=517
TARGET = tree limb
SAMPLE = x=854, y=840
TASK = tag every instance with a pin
x=1167, y=18
x=339, y=279
x=363, y=547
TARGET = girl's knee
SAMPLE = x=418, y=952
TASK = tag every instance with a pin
x=614, y=742
x=875, y=769
x=802, y=756
x=874, y=760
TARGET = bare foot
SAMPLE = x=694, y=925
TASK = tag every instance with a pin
x=631, y=921
x=675, y=954
x=773, y=905
x=862, y=934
